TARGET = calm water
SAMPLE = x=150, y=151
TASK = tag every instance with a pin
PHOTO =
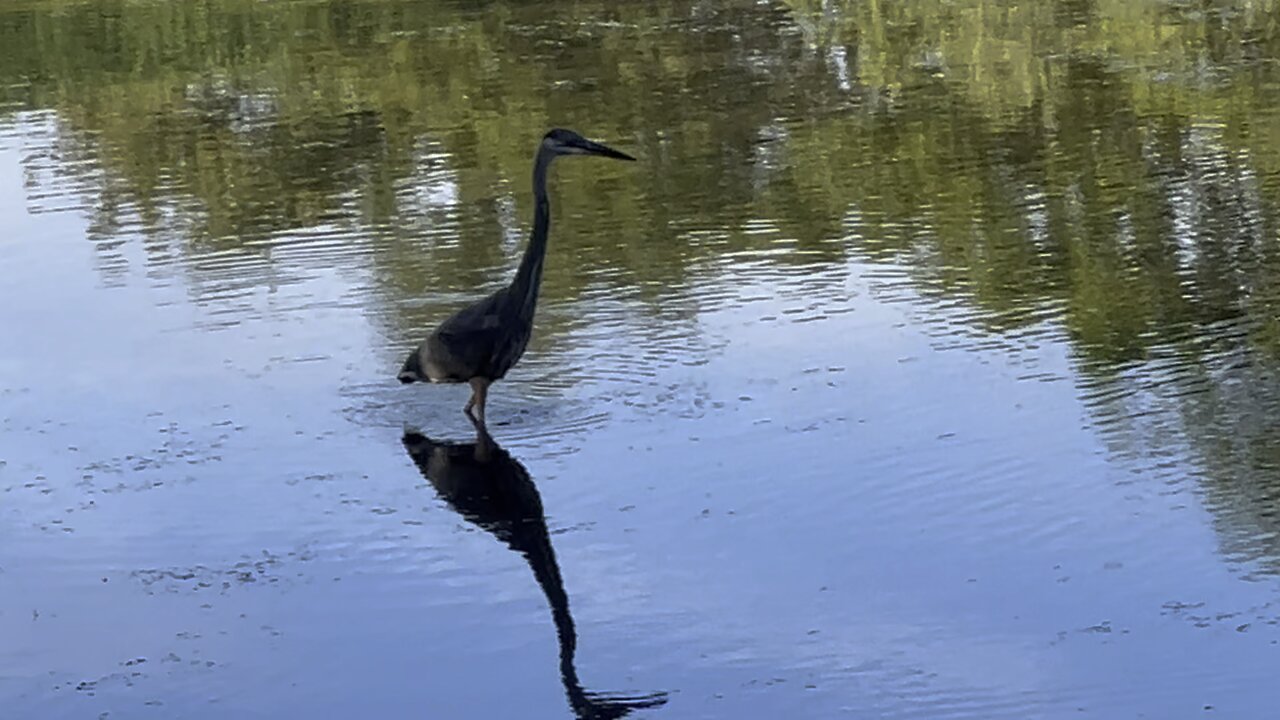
x=927, y=365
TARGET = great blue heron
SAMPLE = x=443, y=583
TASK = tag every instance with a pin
x=479, y=343
x=488, y=487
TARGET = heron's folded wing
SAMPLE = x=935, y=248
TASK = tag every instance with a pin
x=471, y=334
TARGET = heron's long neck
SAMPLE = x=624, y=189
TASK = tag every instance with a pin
x=524, y=288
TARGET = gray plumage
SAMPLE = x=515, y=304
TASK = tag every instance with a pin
x=481, y=342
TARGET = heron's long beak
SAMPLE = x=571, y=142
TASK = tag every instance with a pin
x=594, y=148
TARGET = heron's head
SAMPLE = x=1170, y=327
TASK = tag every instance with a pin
x=568, y=142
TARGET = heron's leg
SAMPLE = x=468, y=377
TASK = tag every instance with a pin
x=479, y=389
x=482, y=392
x=484, y=443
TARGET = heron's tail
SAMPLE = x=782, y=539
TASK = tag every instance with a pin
x=412, y=369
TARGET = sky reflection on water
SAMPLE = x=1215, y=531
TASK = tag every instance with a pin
x=925, y=366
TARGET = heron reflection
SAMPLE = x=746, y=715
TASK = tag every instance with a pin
x=488, y=487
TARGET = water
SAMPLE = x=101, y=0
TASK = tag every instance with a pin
x=927, y=365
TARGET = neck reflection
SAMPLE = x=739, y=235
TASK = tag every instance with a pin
x=488, y=487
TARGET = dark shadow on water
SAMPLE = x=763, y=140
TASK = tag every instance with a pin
x=488, y=487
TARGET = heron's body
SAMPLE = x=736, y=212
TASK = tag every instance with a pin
x=481, y=342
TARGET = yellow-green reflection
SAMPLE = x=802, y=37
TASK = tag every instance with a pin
x=1116, y=160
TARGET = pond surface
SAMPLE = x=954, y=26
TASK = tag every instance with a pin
x=926, y=365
